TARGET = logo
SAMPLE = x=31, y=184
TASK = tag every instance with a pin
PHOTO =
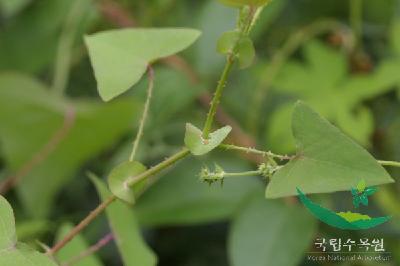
x=346, y=220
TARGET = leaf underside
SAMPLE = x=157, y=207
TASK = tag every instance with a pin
x=198, y=145
x=118, y=177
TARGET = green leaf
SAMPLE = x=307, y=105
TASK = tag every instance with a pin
x=125, y=228
x=75, y=247
x=8, y=235
x=27, y=104
x=11, y=7
x=199, y=146
x=245, y=52
x=239, y=3
x=39, y=26
x=32, y=229
x=326, y=160
x=120, y=57
x=270, y=233
x=13, y=253
x=324, y=75
x=118, y=176
x=192, y=202
x=226, y=43
x=361, y=186
x=395, y=37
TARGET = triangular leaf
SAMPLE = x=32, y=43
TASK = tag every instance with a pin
x=326, y=161
x=118, y=176
x=126, y=230
x=198, y=145
x=120, y=57
x=12, y=252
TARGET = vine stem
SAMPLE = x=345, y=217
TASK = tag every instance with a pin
x=139, y=134
x=43, y=153
x=389, y=163
x=93, y=249
x=230, y=60
x=255, y=151
x=65, y=45
x=356, y=20
x=247, y=173
x=217, y=96
x=85, y=222
x=159, y=167
x=99, y=209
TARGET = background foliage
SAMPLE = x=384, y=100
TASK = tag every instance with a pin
x=303, y=52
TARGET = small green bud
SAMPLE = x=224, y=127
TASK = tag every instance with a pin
x=212, y=176
x=267, y=169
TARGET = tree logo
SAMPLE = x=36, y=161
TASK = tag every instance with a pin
x=346, y=220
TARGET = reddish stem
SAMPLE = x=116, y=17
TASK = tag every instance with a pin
x=42, y=154
x=91, y=250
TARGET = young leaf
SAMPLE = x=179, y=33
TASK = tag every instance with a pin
x=126, y=230
x=245, y=52
x=199, y=146
x=239, y=3
x=118, y=176
x=227, y=42
x=120, y=57
x=326, y=161
x=75, y=247
x=265, y=232
x=12, y=252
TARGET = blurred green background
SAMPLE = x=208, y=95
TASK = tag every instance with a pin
x=340, y=56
